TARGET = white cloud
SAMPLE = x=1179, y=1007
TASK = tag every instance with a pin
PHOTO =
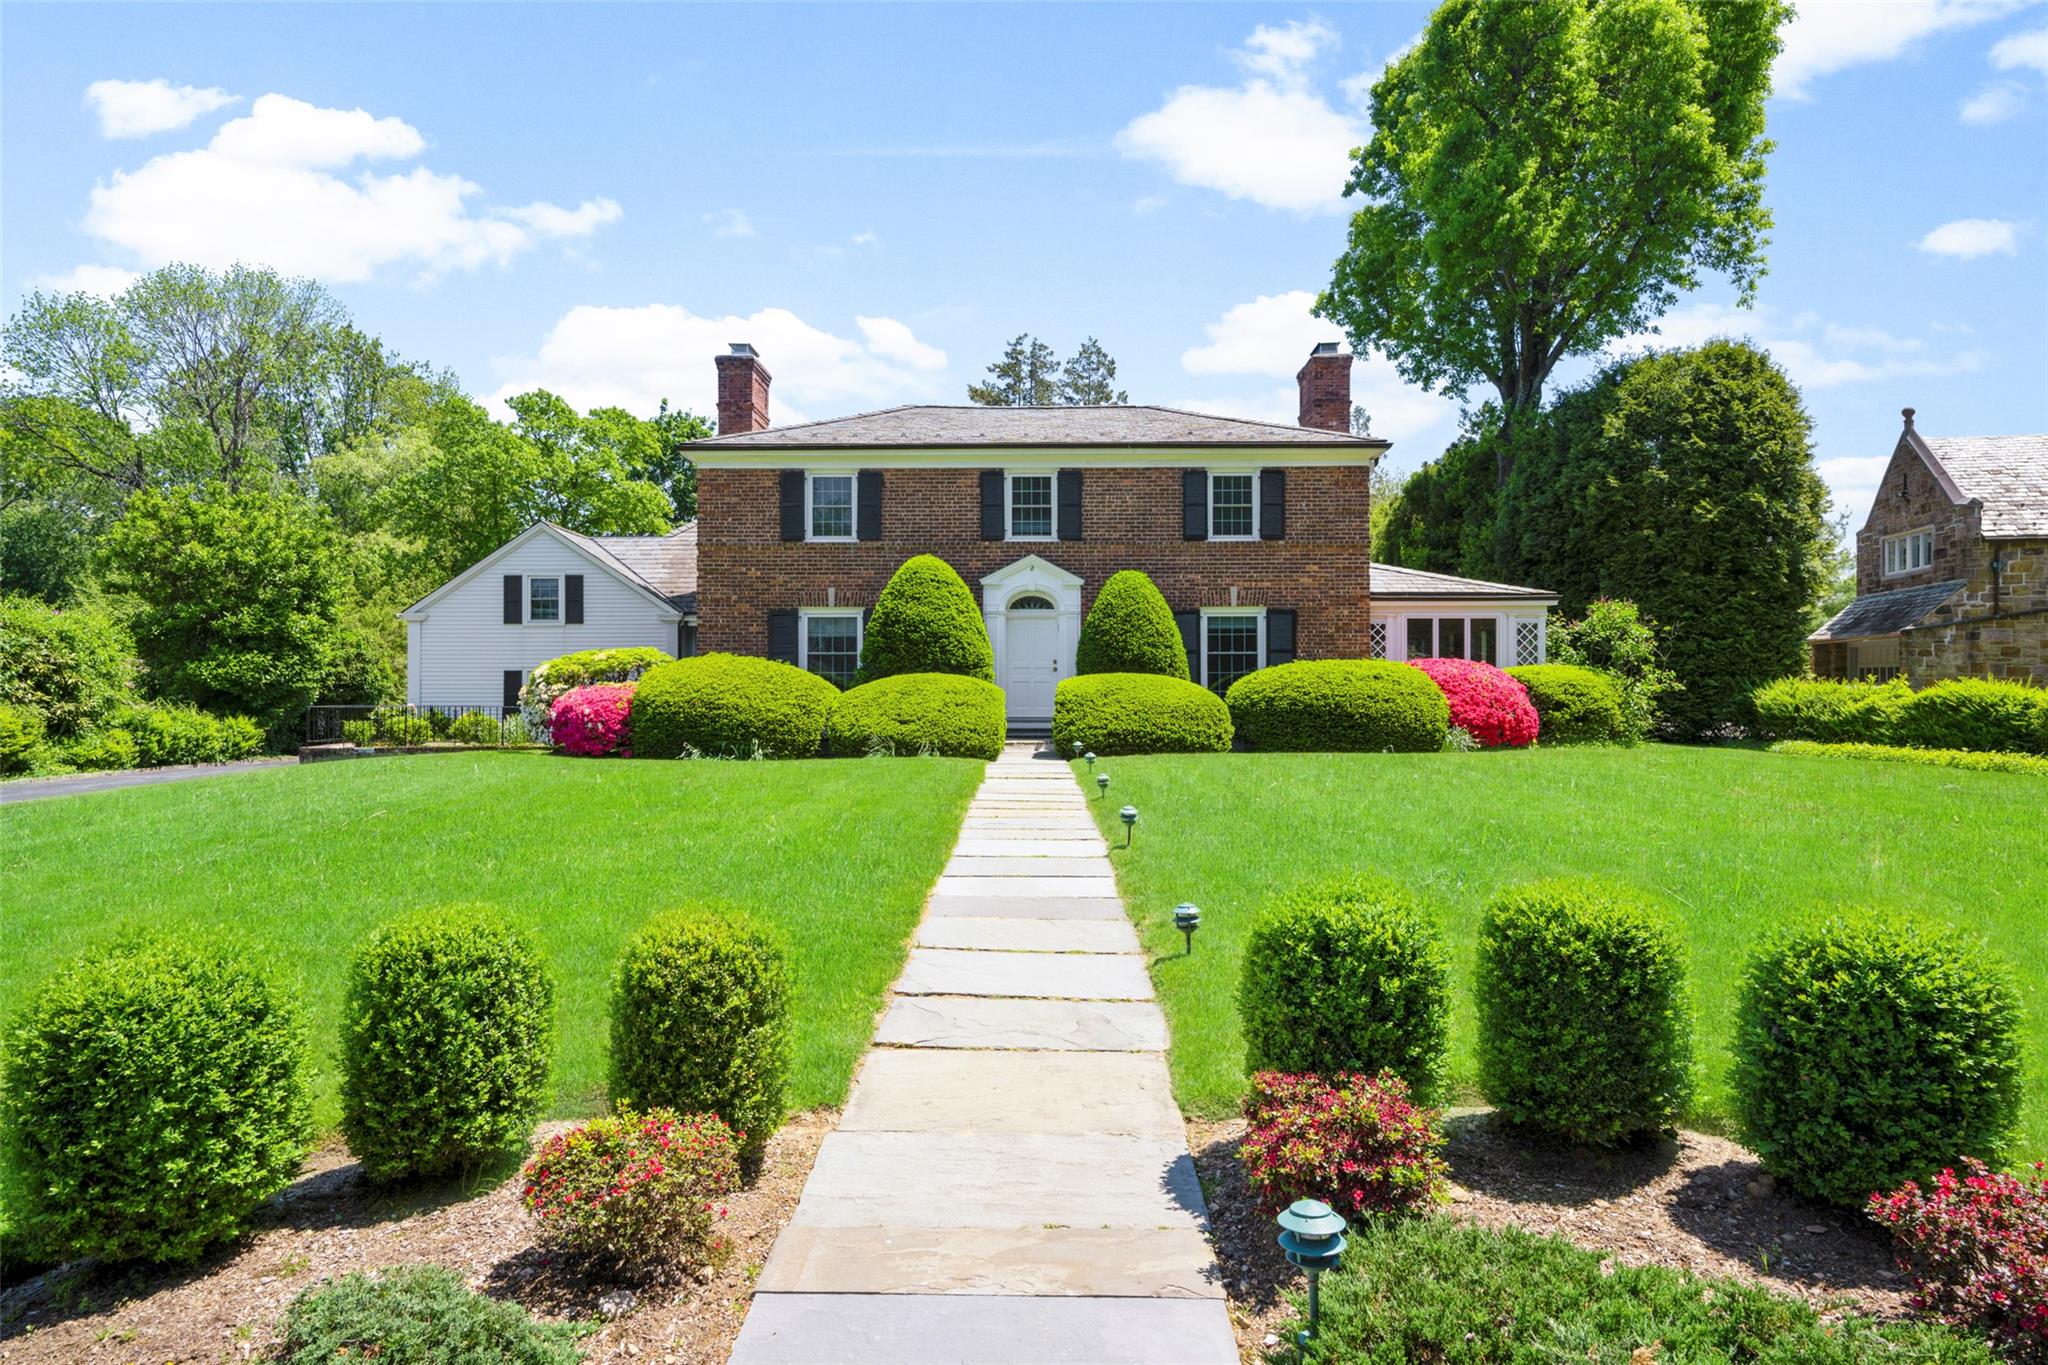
x=139, y=108
x=1832, y=35
x=1149, y=203
x=266, y=190
x=730, y=223
x=1281, y=52
x=103, y=280
x=1815, y=354
x=866, y=239
x=1995, y=103
x=635, y=357
x=1968, y=238
x=2028, y=50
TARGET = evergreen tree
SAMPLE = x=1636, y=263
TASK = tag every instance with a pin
x=1089, y=376
x=1026, y=377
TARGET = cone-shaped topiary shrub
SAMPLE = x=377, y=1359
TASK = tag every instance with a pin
x=1130, y=629
x=1138, y=713
x=700, y=1021
x=919, y=713
x=1871, y=1051
x=1337, y=705
x=1574, y=705
x=729, y=706
x=1585, y=1030
x=155, y=1094
x=925, y=621
x=446, y=1036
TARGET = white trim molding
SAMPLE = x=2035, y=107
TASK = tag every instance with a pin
x=1052, y=505
x=1034, y=458
x=1031, y=576
x=804, y=617
x=1202, y=644
x=1506, y=617
x=852, y=477
x=1250, y=474
x=1920, y=539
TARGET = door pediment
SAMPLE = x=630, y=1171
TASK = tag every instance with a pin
x=1031, y=571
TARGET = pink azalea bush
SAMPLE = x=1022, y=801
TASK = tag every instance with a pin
x=1485, y=702
x=641, y=1191
x=1356, y=1142
x=591, y=721
x=1976, y=1246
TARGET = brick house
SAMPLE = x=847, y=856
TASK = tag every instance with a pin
x=1951, y=566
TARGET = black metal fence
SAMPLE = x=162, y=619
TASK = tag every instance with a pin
x=392, y=725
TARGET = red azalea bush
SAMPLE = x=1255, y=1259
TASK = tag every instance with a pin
x=591, y=721
x=1485, y=702
x=642, y=1192
x=1356, y=1142
x=1976, y=1246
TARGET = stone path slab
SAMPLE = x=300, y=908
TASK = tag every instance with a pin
x=1070, y=907
x=949, y=1329
x=994, y=934
x=1127, y=1262
x=996, y=846
x=1044, y=976
x=1021, y=865
x=1057, y=1025
x=1051, y=884
x=931, y=1090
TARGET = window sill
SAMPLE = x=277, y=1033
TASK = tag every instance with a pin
x=831, y=540
x=1031, y=540
x=1234, y=540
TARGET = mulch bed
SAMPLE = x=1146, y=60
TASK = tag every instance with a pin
x=329, y=1223
x=1694, y=1203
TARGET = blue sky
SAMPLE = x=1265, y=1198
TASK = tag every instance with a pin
x=597, y=198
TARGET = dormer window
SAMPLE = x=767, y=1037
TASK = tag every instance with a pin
x=1908, y=553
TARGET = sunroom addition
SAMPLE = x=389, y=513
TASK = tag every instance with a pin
x=1421, y=615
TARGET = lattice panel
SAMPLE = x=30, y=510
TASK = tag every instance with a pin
x=1528, y=642
x=1376, y=640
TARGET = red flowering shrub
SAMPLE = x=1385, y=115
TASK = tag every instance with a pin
x=643, y=1192
x=591, y=721
x=1976, y=1246
x=1356, y=1142
x=1485, y=702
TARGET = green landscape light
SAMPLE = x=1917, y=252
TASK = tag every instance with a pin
x=1090, y=756
x=1102, y=782
x=1187, y=918
x=1129, y=815
x=1312, y=1235
x=1077, y=748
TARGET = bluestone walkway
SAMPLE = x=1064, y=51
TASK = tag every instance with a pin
x=1010, y=1181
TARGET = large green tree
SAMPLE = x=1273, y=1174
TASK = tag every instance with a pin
x=1545, y=176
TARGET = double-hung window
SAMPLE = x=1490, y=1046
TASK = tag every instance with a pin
x=1908, y=553
x=1030, y=506
x=544, y=600
x=1456, y=637
x=1233, y=644
x=829, y=514
x=828, y=643
x=1233, y=506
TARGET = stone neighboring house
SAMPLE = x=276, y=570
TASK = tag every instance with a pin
x=1951, y=566
x=1257, y=533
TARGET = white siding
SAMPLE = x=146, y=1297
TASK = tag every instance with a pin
x=458, y=655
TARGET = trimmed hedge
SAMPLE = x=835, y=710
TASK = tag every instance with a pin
x=925, y=621
x=1130, y=629
x=446, y=1036
x=729, y=706
x=1138, y=713
x=155, y=1094
x=1828, y=710
x=1347, y=975
x=1972, y=713
x=1331, y=705
x=1585, y=1028
x=936, y=713
x=1575, y=705
x=169, y=733
x=1968, y=759
x=1870, y=1051
x=417, y=1315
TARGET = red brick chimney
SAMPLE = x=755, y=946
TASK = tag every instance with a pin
x=743, y=391
x=1325, y=383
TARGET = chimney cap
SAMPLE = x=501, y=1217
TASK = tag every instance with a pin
x=742, y=348
x=1325, y=348
x=1907, y=413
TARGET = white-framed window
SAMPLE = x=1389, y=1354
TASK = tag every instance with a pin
x=1233, y=644
x=828, y=506
x=544, y=601
x=1029, y=498
x=1453, y=637
x=828, y=643
x=1908, y=553
x=1233, y=505
x=1879, y=660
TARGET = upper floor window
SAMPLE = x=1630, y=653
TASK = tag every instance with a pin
x=543, y=599
x=1908, y=553
x=828, y=644
x=830, y=511
x=1030, y=506
x=1233, y=506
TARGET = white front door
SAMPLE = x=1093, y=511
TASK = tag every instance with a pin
x=1031, y=663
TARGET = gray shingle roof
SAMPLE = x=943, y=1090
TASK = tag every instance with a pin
x=1887, y=613
x=1391, y=580
x=2008, y=474
x=664, y=565
x=973, y=425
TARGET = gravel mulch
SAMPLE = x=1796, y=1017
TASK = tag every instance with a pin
x=1696, y=1203
x=329, y=1223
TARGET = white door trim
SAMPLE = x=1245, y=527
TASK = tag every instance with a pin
x=1028, y=576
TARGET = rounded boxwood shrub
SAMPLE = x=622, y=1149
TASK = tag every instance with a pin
x=729, y=706
x=925, y=621
x=1138, y=713
x=1972, y=713
x=417, y=1315
x=1328, y=705
x=1347, y=975
x=914, y=713
x=1585, y=1029
x=700, y=1021
x=1870, y=1051
x=446, y=1036
x=1574, y=705
x=1130, y=629
x=155, y=1094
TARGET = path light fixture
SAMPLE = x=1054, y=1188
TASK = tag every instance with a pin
x=1090, y=756
x=1187, y=918
x=1312, y=1235
x=1076, y=748
x=1101, y=782
x=1129, y=815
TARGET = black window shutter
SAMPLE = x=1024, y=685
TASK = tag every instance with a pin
x=1279, y=635
x=572, y=599
x=515, y=599
x=1272, y=504
x=1190, y=623
x=792, y=504
x=513, y=678
x=1194, y=504
x=992, y=518
x=1070, y=504
x=782, y=636
x=867, y=504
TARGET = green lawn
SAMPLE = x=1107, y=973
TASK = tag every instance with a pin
x=1735, y=839
x=303, y=860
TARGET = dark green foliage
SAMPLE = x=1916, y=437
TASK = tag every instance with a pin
x=729, y=706
x=1331, y=705
x=101, y=751
x=1130, y=629
x=1869, y=1052
x=72, y=667
x=1444, y=521
x=1614, y=637
x=925, y=621
x=1576, y=705
x=357, y=673
x=1585, y=1026
x=919, y=713
x=1138, y=713
x=417, y=1315
x=1828, y=711
x=155, y=1094
x=1347, y=975
x=1429, y=1289
x=1973, y=713
x=445, y=1042
x=172, y=734
x=700, y=1021
x=21, y=738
